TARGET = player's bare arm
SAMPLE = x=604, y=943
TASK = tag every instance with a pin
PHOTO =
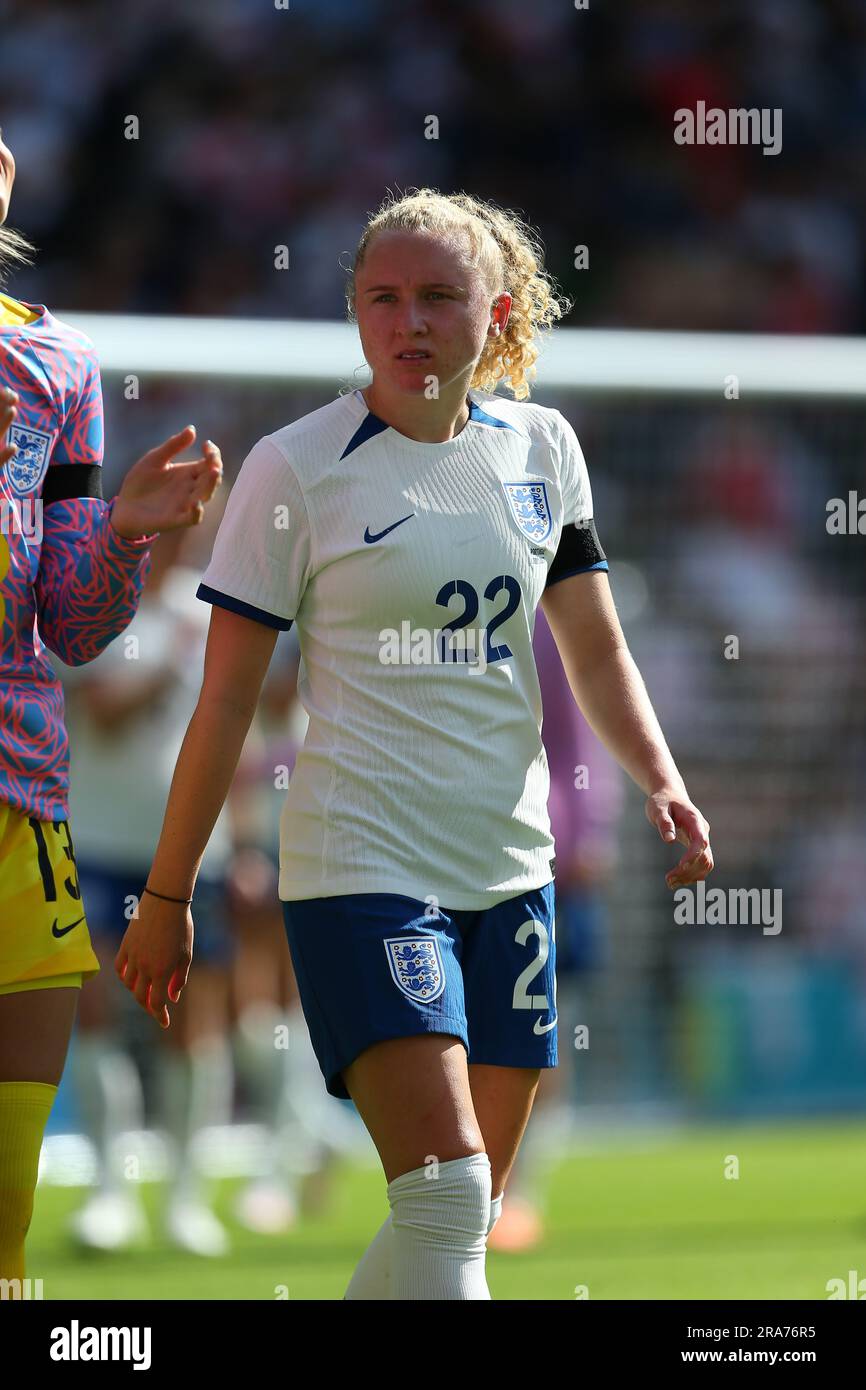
x=155, y=954
x=610, y=691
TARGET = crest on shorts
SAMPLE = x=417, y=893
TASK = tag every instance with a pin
x=530, y=507
x=27, y=469
x=416, y=967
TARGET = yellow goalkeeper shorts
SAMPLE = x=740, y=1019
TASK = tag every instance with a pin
x=44, y=940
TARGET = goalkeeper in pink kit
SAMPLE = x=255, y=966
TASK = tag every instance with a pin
x=71, y=572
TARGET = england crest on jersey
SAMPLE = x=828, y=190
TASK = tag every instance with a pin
x=416, y=967
x=531, y=510
x=27, y=469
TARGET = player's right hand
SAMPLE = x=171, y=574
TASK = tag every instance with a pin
x=8, y=407
x=155, y=955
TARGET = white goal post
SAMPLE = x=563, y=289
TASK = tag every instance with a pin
x=592, y=361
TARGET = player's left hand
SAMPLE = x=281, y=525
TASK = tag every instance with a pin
x=161, y=494
x=676, y=818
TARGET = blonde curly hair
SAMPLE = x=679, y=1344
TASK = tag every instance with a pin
x=504, y=250
x=15, y=249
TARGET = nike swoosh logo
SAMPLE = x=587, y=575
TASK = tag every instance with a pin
x=370, y=539
x=544, y=1027
x=61, y=931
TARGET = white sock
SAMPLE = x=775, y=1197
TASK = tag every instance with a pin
x=372, y=1277
x=109, y=1096
x=259, y=1062
x=196, y=1092
x=439, y=1238
x=261, y=1067
x=495, y=1211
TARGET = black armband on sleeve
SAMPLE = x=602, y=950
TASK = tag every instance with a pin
x=72, y=480
x=579, y=549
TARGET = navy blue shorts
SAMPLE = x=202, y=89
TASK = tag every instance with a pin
x=106, y=895
x=374, y=966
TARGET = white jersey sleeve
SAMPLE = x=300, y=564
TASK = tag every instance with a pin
x=261, y=558
x=574, y=477
x=579, y=548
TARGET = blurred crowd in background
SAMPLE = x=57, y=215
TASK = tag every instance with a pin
x=713, y=516
x=261, y=127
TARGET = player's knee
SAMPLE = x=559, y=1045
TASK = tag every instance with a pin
x=445, y=1202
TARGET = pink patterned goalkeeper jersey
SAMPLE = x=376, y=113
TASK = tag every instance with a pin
x=67, y=580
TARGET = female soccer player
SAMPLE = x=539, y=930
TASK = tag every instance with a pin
x=71, y=572
x=411, y=530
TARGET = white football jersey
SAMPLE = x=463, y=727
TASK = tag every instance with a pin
x=413, y=572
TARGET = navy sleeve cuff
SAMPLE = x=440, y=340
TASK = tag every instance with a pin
x=245, y=610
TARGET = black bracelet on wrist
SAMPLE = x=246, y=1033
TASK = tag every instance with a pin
x=186, y=901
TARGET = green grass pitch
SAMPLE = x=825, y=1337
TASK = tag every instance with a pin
x=643, y=1218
